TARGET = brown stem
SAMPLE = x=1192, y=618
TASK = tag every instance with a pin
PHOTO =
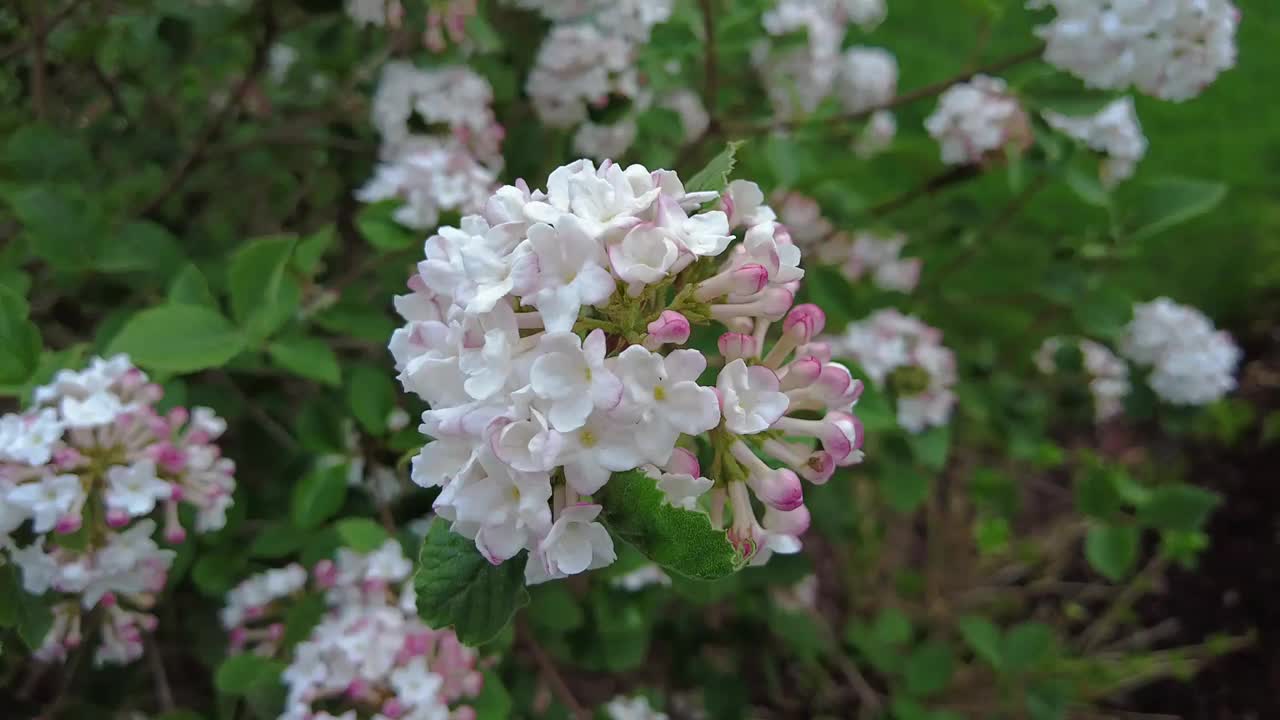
x=164, y=695
x=955, y=176
x=906, y=98
x=1102, y=627
x=192, y=159
x=550, y=674
x=50, y=23
x=38, y=95
x=711, y=73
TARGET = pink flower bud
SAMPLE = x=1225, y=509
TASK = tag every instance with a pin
x=805, y=321
x=683, y=462
x=742, y=281
x=178, y=417
x=819, y=468
x=738, y=345
x=68, y=524
x=838, y=386
x=473, y=683
x=149, y=622
x=779, y=489
x=325, y=573
x=393, y=708
x=466, y=712
x=117, y=518
x=275, y=632
x=800, y=373
x=819, y=350
x=357, y=689
x=670, y=327
x=788, y=522
x=108, y=600
x=775, y=303
x=253, y=612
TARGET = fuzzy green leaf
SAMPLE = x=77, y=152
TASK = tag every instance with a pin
x=681, y=541
x=457, y=587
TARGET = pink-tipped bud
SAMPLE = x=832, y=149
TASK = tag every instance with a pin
x=819, y=468
x=775, y=303
x=66, y=458
x=820, y=350
x=738, y=345
x=838, y=386
x=726, y=203
x=68, y=524
x=805, y=321
x=473, y=683
x=800, y=373
x=779, y=489
x=670, y=327
x=117, y=518
x=850, y=435
x=466, y=712
x=393, y=708
x=743, y=281
x=325, y=574
x=787, y=522
x=176, y=493
x=683, y=462
x=108, y=600
x=275, y=632
x=253, y=612
x=178, y=417
x=357, y=689
x=149, y=622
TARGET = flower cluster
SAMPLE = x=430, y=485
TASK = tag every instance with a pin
x=1191, y=362
x=370, y=655
x=535, y=333
x=454, y=165
x=978, y=119
x=797, y=78
x=906, y=355
x=632, y=708
x=1171, y=49
x=586, y=69
x=1108, y=374
x=83, y=471
x=1113, y=131
x=867, y=79
x=879, y=257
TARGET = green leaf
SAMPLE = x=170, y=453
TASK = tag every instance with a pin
x=263, y=296
x=311, y=249
x=904, y=487
x=361, y=534
x=1167, y=202
x=801, y=632
x=494, y=702
x=1181, y=508
x=928, y=668
x=380, y=230
x=140, y=246
x=983, y=637
x=1087, y=187
x=371, y=395
x=277, y=540
x=1112, y=550
x=178, y=338
x=65, y=226
x=681, y=541
x=931, y=447
x=189, y=287
x=1027, y=646
x=1096, y=494
x=892, y=627
x=19, y=339
x=240, y=674
x=302, y=617
x=554, y=608
x=319, y=496
x=28, y=614
x=457, y=587
x=715, y=176
x=217, y=572
x=307, y=357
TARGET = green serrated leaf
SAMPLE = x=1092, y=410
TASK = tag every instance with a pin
x=178, y=338
x=319, y=496
x=361, y=534
x=240, y=674
x=715, y=176
x=1180, y=508
x=457, y=587
x=308, y=357
x=1112, y=550
x=681, y=541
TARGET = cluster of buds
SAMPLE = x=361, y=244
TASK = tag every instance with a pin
x=546, y=334
x=82, y=474
x=906, y=356
x=370, y=655
x=446, y=20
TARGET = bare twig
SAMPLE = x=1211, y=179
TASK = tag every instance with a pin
x=109, y=87
x=551, y=674
x=906, y=98
x=38, y=99
x=268, y=423
x=49, y=25
x=164, y=695
x=1101, y=628
x=866, y=694
x=710, y=69
x=196, y=154
x=935, y=184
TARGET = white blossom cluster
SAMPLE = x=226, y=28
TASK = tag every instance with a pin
x=1191, y=362
x=632, y=708
x=907, y=356
x=453, y=165
x=798, y=77
x=977, y=118
x=375, y=12
x=1171, y=49
x=370, y=656
x=93, y=459
x=867, y=79
x=535, y=330
x=587, y=63
x=1113, y=131
x=879, y=257
x=1108, y=374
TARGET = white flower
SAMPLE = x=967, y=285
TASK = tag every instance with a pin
x=877, y=135
x=579, y=64
x=975, y=118
x=39, y=569
x=642, y=577
x=634, y=708
x=570, y=272
x=570, y=373
x=683, y=490
x=472, y=264
x=48, y=499
x=499, y=507
x=100, y=408
x=1113, y=131
x=135, y=488
x=868, y=78
x=643, y=256
x=749, y=398
x=29, y=438
x=1193, y=364
x=601, y=447
x=781, y=259
x=705, y=234
x=575, y=543
x=601, y=141
x=687, y=104
x=1171, y=49
x=415, y=685
x=666, y=392
x=602, y=201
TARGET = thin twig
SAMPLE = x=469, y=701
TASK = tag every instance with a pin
x=50, y=24
x=68, y=677
x=954, y=176
x=870, y=698
x=552, y=675
x=1101, y=628
x=164, y=695
x=196, y=154
x=906, y=98
x=268, y=423
x=38, y=96
x=110, y=88
x=710, y=65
